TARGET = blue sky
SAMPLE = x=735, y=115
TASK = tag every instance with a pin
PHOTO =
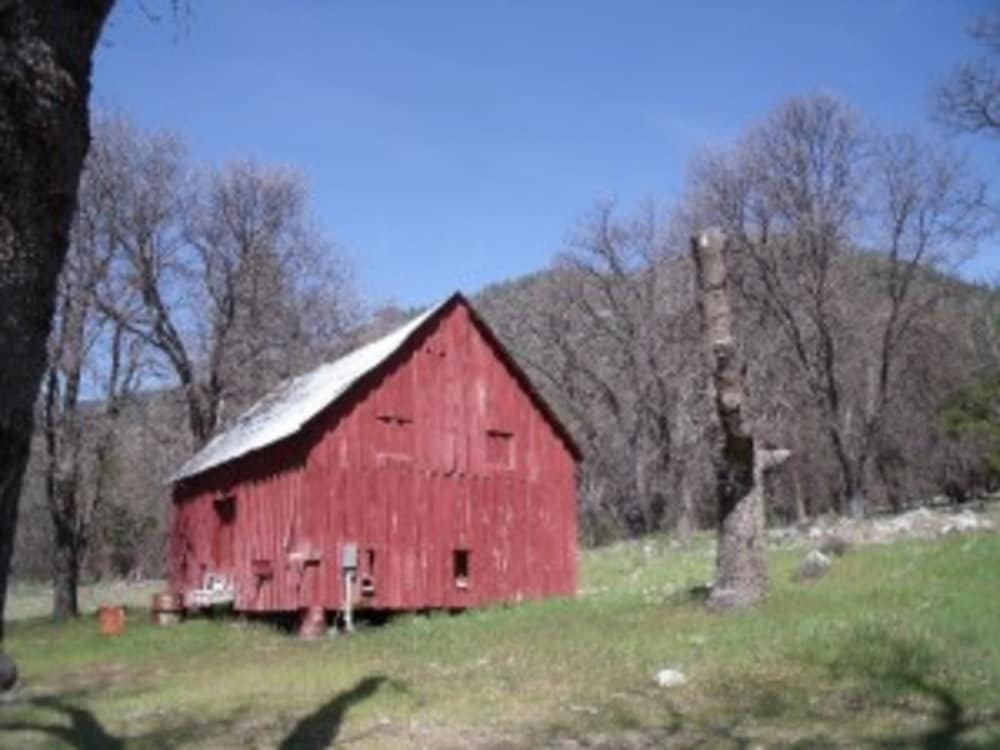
x=453, y=144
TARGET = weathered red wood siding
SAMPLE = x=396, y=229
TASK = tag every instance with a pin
x=443, y=449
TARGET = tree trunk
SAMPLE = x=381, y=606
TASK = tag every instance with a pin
x=801, y=507
x=853, y=502
x=45, y=62
x=685, y=525
x=65, y=575
x=741, y=568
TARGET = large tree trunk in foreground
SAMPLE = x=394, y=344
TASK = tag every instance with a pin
x=45, y=62
x=741, y=569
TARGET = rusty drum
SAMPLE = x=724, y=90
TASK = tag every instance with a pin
x=111, y=619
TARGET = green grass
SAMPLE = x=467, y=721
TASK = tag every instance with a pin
x=899, y=646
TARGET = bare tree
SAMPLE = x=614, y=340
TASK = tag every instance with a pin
x=93, y=368
x=611, y=283
x=969, y=99
x=740, y=465
x=223, y=274
x=45, y=63
x=608, y=334
x=276, y=295
x=822, y=211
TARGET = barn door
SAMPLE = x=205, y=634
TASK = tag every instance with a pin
x=222, y=540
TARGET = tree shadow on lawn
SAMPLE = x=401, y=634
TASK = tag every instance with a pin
x=84, y=731
x=908, y=671
x=952, y=722
x=877, y=675
x=320, y=728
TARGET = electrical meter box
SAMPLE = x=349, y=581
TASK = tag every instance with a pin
x=349, y=556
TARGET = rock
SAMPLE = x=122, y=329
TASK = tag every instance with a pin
x=962, y=523
x=8, y=673
x=835, y=545
x=668, y=678
x=814, y=566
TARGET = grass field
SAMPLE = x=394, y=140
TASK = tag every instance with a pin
x=899, y=646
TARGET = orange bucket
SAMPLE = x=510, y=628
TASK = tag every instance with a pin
x=112, y=619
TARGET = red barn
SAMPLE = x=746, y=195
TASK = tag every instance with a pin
x=420, y=471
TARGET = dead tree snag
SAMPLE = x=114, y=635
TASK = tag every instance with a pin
x=741, y=569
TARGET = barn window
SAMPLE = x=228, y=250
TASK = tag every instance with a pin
x=222, y=542
x=368, y=573
x=262, y=569
x=500, y=448
x=394, y=437
x=460, y=568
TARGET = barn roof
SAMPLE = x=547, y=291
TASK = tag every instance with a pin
x=287, y=409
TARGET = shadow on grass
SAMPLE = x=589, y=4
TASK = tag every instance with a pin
x=877, y=677
x=78, y=727
x=320, y=728
x=84, y=730
x=952, y=722
x=902, y=667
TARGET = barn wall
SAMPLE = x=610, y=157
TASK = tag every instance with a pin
x=443, y=450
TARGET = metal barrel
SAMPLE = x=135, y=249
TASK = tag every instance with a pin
x=167, y=608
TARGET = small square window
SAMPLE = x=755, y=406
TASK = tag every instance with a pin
x=394, y=437
x=500, y=448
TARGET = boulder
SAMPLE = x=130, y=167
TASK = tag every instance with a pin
x=668, y=678
x=815, y=565
x=835, y=545
x=963, y=523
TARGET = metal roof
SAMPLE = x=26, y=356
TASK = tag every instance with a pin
x=286, y=409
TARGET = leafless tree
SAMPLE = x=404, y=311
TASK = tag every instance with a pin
x=823, y=211
x=223, y=273
x=79, y=433
x=608, y=333
x=94, y=366
x=969, y=99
